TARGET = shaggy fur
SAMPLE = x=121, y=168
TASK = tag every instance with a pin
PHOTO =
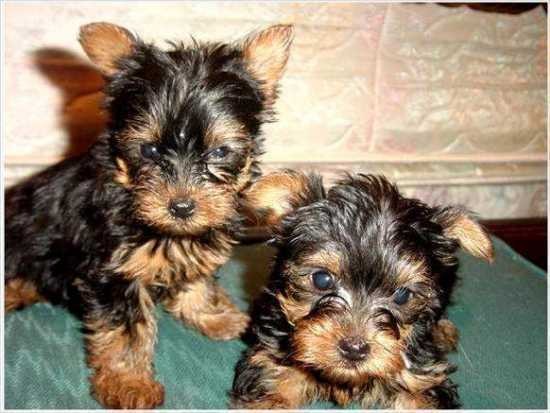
x=354, y=307
x=146, y=215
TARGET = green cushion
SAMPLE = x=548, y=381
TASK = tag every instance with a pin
x=499, y=309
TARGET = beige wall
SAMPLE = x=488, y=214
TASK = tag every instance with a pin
x=450, y=103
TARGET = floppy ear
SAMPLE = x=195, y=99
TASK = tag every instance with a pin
x=273, y=196
x=105, y=44
x=472, y=237
x=266, y=54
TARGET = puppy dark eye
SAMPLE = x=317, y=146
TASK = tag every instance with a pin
x=401, y=296
x=150, y=151
x=220, y=152
x=322, y=280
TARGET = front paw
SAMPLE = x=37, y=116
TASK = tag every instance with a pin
x=443, y=396
x=270, y=402
x=124, y=391
x=445, y=335
x=226, y=326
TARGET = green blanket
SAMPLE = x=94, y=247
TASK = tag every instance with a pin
x=500, y=310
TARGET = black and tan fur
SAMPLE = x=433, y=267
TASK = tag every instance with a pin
x=354, y=309
x=147, y=215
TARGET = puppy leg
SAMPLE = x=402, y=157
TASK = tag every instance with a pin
x=204, y=305
x=408, y=401
x=443, y=396
x=262, y=383
x=426, y=391
x=120, y=350
x=19, y=293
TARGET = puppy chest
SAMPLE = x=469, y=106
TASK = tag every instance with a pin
x=167, y=261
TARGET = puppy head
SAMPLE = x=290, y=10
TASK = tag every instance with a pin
x=185, y=123
x=361, y=271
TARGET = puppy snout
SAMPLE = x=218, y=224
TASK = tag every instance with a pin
x=182, y=208
x=353, y=348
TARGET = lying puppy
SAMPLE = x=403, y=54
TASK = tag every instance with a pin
x=354, y=307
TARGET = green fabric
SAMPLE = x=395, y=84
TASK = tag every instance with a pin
x=499, y=309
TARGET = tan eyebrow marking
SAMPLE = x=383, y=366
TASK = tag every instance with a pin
x=145, y=128
x=223, y=128
x=411, y=270
x=328, y=259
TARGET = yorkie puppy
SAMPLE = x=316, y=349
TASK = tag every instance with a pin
x=146, y=215
x=353, y=311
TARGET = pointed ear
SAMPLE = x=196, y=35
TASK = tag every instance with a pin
x=472, y=237
x=266, y=54
x=272, y=197
x=105, y=44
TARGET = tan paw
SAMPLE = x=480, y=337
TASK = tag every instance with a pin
x=445, y=335
x=225, y=326
x=269, y=402
x=19, y=293
x=119, y=391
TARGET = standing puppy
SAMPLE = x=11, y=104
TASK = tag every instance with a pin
x=145, y=215
x=354, y=307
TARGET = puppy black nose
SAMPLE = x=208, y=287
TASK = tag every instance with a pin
x=182, y=208
x=353, y=348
